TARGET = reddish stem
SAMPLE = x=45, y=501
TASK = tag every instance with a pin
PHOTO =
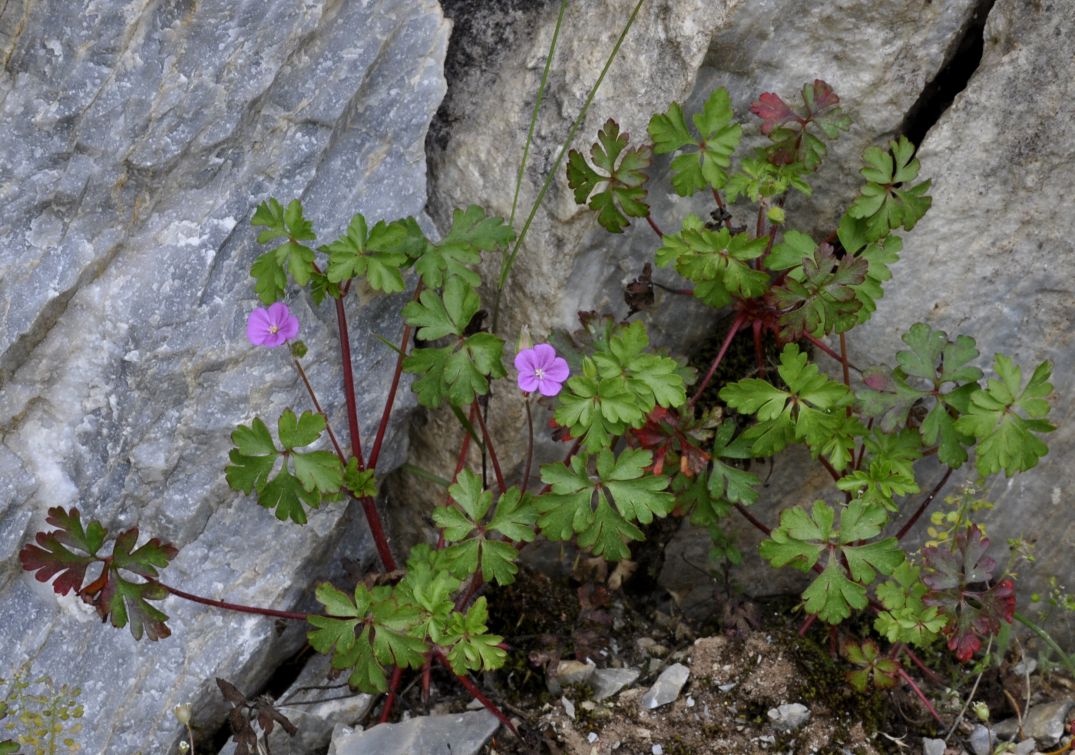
x=752, y=519
x=349, y=383
x=653, y=225
x=736, y=324
x=844, y=364
x=313, y=397
x=373, y=521
x=810, y=619
x=529, y=446
x=240, y=608
x=922, y=506
x=825, y=347
x=393, y=689
x=489, y=447
x=477, y=694
x=921, y=695
x=375, y=452
x=723, y=209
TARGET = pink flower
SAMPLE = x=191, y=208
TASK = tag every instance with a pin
x=271, y=327
x=541, y=370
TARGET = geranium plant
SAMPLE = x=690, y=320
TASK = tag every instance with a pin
x=639, y=442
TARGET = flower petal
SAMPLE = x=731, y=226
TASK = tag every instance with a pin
x=557, y=370
x=528, y=383
x=278, y=313
x=524, y=360
x=543, y=355
x=549, y=387
x=289, y=328
x=257, y=326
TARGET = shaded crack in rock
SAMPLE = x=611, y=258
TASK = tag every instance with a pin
x=963, y=58
x=19, y=351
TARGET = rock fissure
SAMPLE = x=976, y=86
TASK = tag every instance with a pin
x=952, y=78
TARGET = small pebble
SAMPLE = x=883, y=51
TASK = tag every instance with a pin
x=591, y=737
x=981, y=740
x=657, y=750
x=933, y=747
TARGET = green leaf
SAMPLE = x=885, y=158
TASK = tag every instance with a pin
x=709, y=154
x=377, y=255
x=319, y=471
x=472, y=233
x=932, y=362
x=289, y=224
x=472, y=647
x=832, y=595
x=253, y=458
x=725, y=481
x=436, y=316
x=792, y=250
x=617, y=387
x=456, y=373
x=366, y=633
x=623, y=194
x=802, y=537
x=362, y=484
x=819, y=297
x=1006, y=438
x=56, y=553
x=717, y=258
x=878, y=255
x=601, y=511
x=296, y=432
x=887, y=201
x=907, y=618
x=811, y=410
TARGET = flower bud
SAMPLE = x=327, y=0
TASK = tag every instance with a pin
x=183, y=713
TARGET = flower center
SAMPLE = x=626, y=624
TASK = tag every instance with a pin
x=274, y=328
x=539, y=373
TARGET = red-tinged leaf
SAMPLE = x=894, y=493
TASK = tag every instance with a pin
x=963, y=577
x=820, y=98
x=773, y=111
x=53, y=554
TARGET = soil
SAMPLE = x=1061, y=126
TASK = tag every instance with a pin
x=745, y=662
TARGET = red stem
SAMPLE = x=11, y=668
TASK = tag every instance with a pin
x=529, y=446
x=653, y=225
x=240, y=608
x=489, y=447
x=921, y=695
x=375, y=452
x=393, y=689
x=477, y=694
x=723, y=209
x=349, y=383
x=313, y=397
x=752, y=519
x=922, y=506
x=844, y=364
x=373, y=521
x=825, y=347
x=736, y=324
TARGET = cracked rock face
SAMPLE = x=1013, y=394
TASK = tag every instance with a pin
x=138, y=139
x=995, y=259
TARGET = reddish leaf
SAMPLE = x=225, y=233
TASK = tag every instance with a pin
x=53, y=555
x=773, y=112
x=963, y=577
x=69, y=552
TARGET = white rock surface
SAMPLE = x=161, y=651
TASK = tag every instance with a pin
x=138, y=139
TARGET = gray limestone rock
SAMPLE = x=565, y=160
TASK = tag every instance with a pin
x=667, y=687
x=1046, y=723
x=995, y=257
x=460, y=734
x=607, y=682
x=789, y=716
x=138, y=139
x=933, y=746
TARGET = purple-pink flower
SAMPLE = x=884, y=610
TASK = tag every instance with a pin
x=271, y=327
x=541, y=370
